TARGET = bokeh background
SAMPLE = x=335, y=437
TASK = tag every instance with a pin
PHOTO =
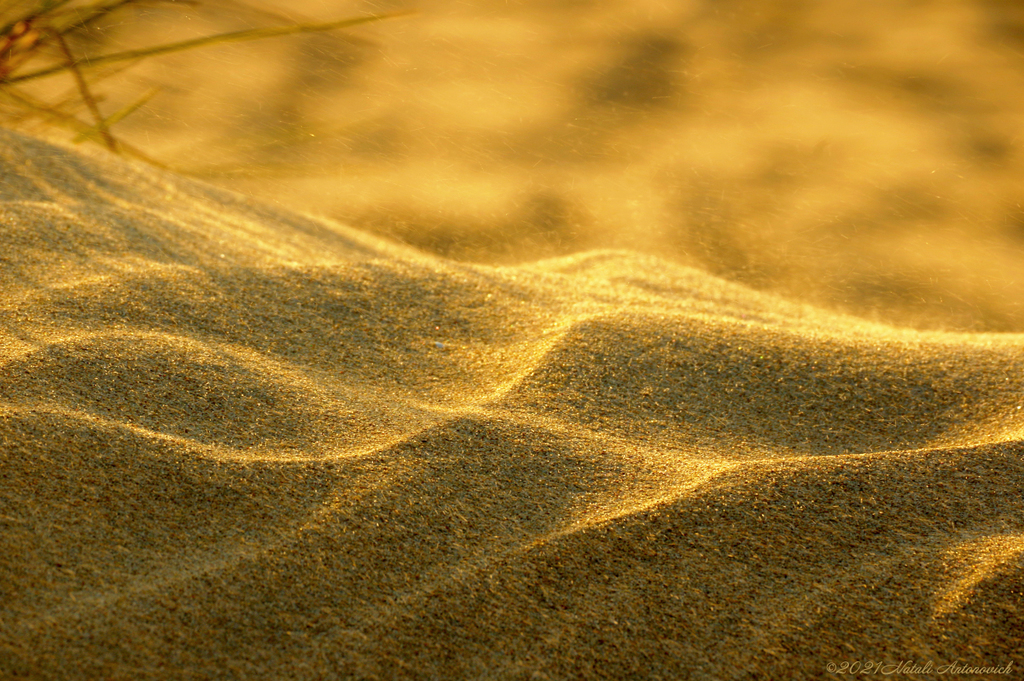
x=864, y=155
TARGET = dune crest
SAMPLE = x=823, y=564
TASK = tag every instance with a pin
x=239, y=442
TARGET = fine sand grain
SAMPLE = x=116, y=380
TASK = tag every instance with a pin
x=241, y=443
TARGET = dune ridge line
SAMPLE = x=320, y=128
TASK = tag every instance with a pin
x=242, y=442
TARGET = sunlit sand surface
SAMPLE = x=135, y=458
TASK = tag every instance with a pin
x=239, y=442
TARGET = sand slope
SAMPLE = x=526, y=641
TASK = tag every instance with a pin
x=244, y=443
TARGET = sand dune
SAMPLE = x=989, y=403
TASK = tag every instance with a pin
x=244, y=443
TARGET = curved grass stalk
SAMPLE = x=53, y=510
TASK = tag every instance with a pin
x=83, y=88
x=120, y=115
x=234, y=36
x=64, y=120
x=32, y=32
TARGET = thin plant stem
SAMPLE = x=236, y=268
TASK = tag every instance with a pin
x=35, y=31
x=60, y=118
x=235, y=36
x=117, y=117
x=83, y=88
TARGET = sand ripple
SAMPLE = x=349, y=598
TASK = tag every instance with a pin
x=244, y=443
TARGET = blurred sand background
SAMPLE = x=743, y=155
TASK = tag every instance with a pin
x=861, y=155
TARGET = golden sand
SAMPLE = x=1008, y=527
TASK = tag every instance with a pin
x=244, y=443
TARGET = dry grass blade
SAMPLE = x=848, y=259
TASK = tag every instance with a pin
x=119, y=116
x=235, y=36
x=75, y=18
x=64, y=120
x=34, y=32
x=19, y=9
x=41, y=9
x=87, y=97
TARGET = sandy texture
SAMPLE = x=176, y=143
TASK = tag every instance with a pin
x=244, y=443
